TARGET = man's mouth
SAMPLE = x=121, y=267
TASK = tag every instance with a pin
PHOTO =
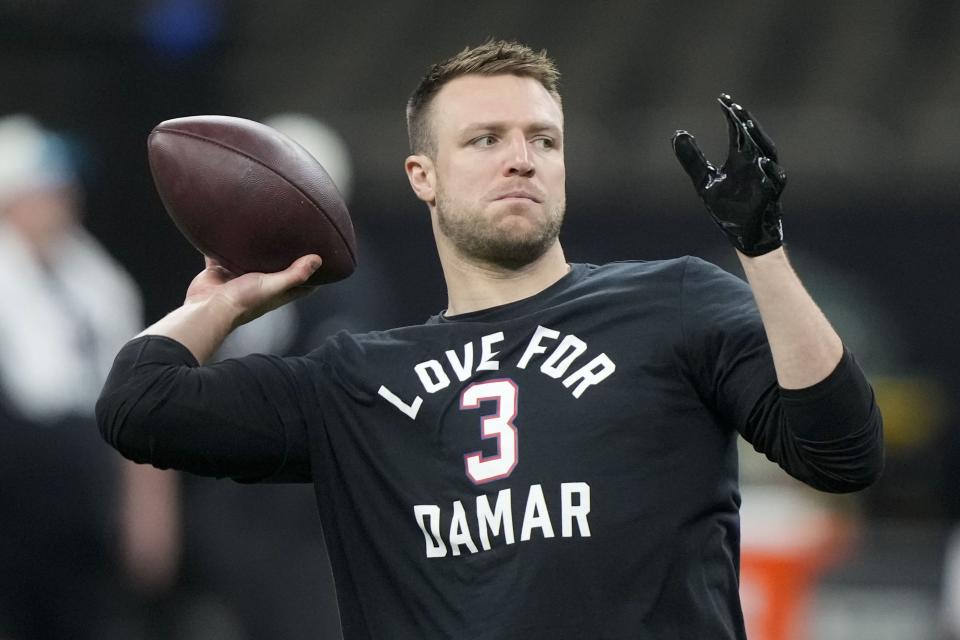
x=519, y=195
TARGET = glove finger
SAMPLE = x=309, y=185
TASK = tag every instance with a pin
x=767, y=147
x=692, y=159
x=743, y=148
x=733, y=126
x=774, y=173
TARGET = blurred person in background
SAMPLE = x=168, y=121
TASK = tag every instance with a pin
x=65, y=307
x=949, y=612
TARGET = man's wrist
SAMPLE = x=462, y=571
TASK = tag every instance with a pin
x=199, y=325
x=778, y=255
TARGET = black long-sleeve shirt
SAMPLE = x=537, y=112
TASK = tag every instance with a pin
x=563, y=466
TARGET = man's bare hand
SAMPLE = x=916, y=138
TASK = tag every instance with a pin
x=252, y=294
x=218, y=302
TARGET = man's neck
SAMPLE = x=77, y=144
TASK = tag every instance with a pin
x=473, y=287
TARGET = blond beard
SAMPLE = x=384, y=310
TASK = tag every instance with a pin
x=475, y=237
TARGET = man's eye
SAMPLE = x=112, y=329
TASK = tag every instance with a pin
x=544, y=143
x=483, y=141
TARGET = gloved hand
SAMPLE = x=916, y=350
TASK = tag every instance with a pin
x=743, y=196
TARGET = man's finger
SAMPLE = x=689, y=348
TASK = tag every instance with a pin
x=767, y=147
x=302, y=268
x=774, y=173
x=734, y=133
x=740, y=128
x=212, y=264
x=283, y=282
x=692, y=159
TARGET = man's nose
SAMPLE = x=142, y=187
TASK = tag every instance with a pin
x=519, y=161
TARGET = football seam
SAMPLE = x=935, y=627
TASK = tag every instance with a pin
x=190, y=134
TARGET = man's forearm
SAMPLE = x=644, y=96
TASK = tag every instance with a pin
x=199, y=326
x=805, y=347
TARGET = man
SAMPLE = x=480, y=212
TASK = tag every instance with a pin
x=553, y=456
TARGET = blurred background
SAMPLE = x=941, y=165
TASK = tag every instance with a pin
x=862, y=99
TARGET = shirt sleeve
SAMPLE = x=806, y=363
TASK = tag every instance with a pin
x=829, y=436
x=240, y=418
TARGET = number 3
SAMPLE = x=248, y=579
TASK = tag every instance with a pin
x=498, y=425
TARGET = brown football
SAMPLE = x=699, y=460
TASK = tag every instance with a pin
x=250, y=197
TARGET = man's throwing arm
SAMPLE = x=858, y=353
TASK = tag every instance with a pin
x=237, y=418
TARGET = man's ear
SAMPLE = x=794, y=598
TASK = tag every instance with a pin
x=422, y=177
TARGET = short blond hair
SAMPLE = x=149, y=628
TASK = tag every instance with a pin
x=494, y=57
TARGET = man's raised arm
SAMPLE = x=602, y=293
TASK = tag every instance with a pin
x=823, y=425
x=743, y=198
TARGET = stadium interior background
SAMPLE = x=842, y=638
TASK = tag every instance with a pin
x=863, y=101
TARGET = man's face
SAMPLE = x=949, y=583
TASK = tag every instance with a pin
x=500, y=176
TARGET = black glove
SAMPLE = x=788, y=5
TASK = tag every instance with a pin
x=743, y=196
